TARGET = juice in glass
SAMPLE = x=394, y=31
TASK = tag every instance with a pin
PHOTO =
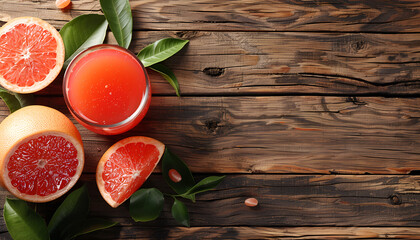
x=106, y=89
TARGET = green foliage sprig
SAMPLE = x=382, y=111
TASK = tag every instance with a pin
x=69, y=220
x=147, y=203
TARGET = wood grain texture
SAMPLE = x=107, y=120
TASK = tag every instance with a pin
x=140, y=232
x=226, y=63
x=299, y=63
x=239, y=15
x=276, y=134
x=284, y=201
x=291, y=200
x=261, y=233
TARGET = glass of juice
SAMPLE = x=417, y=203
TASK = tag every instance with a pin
x=106, y=89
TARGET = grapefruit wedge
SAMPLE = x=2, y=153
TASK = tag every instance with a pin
x=31, y=54
x=41, y=154
x=125, y=166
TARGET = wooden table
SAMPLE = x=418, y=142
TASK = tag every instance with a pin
x=312, y=107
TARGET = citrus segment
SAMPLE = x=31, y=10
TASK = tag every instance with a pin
x=42, y=154
x=125, y=166
x=31, y=54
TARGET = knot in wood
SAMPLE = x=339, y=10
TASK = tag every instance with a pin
x=358, y=45
x=395, y=199
x=214, y=71
x=212, y=125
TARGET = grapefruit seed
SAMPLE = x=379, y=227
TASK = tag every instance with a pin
x=251, y=202
x=174, y=175
x=62, y=3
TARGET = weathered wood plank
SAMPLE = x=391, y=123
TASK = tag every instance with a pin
x=276, y=134
x=217, y=63
x=141, y=232
x=290, y=200
x=284, y=200
x=259, y=233
x=239, y=15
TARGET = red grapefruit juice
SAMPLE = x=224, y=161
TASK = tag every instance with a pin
x=107, y=89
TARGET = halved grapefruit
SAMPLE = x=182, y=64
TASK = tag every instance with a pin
x=31, y=54
x=125, y=166
x=41, y=154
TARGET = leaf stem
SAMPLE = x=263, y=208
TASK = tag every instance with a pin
x=172, y=195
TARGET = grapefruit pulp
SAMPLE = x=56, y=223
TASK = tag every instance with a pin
x=41, y=154
x=125, y=166
x=31, y=54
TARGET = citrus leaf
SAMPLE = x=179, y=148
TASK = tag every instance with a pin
x=82, y=32
x=22, y=222
x=25, y=99
x=180, y=213
x=160, y=50
x=10, y=99
x=74, y=209
x=91, y=225
x=167, y=74
x=118, y=14
x=171, y=161
x=188, y=196
x=146, y=204
x=15, y=101
x=206, y=184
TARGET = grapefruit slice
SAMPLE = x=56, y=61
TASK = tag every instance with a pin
x=31, y=54
x=125, y=166
x=41, y=154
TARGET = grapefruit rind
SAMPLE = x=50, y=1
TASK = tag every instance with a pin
x=59, y=59
x=28, y=123
x=135, y=139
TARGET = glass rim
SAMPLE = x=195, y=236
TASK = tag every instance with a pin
x=86, y=121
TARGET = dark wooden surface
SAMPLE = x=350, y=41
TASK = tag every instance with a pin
x=312, y=107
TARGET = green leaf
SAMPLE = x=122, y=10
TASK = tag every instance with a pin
x=82, y=32
x=15, y=101
x=22, y=222
x=171, y=161
x=68, y=215
x=188, y=196
x=25, y=99
x=118, y=14
x=90, y=225
x=146, y=204
x=206, y=184
x=167, y=74
x=160, y=50
x=180, y=213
